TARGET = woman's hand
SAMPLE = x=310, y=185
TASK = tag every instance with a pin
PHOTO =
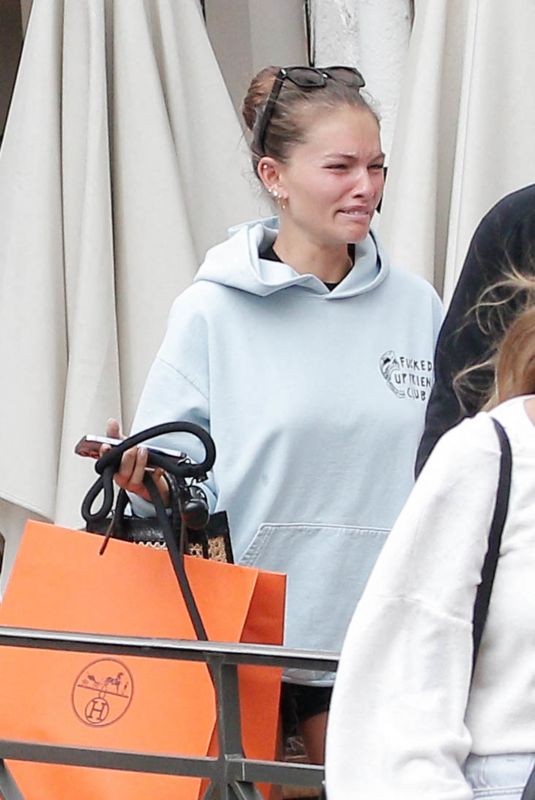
x=133, y=465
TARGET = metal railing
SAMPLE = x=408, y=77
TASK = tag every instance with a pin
x=231, y=776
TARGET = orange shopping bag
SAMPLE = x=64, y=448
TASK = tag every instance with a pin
x=59, y=582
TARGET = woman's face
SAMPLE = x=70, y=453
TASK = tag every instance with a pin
x=333, y=182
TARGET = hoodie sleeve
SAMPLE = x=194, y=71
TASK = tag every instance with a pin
x=177, y=388
x=504, y=237
x=396, y=725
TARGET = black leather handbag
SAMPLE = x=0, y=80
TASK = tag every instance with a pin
x=201, y=534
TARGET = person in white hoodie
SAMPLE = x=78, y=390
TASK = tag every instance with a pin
x=309, y=360
x=408, y=721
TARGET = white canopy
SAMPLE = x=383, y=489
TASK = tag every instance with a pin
x=122, y=162
x=465, y=130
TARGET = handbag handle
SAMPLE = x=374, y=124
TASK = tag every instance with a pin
x=490, y=563
x=108, y=464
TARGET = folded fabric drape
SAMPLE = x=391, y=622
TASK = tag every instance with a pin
x=463, y=136
x=122, y=162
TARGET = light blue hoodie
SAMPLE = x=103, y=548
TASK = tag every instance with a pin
x=315, y=400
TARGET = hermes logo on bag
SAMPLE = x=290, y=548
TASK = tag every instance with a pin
x=102, y=692
x=407, y=377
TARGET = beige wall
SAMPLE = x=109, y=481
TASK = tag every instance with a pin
x=250, y=34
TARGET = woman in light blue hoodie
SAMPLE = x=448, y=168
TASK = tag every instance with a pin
x=309, y=359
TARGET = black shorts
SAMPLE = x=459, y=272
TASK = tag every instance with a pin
x=300, y=702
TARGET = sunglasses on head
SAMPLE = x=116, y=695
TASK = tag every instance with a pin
x=304, y=78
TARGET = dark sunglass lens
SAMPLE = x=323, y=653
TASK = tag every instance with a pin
x=346, y=75
x=305, y=77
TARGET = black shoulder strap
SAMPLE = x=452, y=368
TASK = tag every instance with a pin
x=495, y=536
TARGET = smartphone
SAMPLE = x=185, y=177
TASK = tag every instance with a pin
x=90, y=446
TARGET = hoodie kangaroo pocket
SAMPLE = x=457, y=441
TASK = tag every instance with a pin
x=327, y=568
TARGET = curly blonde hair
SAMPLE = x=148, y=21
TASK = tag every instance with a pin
x=515, y=367
x=505, y=313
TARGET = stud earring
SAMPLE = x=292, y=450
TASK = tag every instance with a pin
x=274, y=193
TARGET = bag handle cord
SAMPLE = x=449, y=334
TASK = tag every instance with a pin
x=108, y=464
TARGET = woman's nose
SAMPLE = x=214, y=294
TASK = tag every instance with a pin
x=363, y=185
x=368, y=183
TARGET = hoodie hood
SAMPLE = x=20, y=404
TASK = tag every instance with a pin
x=236, y=263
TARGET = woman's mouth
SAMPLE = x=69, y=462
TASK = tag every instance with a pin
x=356, y=213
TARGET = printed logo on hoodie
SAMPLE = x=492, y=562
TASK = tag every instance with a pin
x=406, y=376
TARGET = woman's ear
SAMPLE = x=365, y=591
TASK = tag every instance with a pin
x=268, y=172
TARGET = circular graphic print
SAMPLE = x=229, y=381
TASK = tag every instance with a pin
x=102, y=692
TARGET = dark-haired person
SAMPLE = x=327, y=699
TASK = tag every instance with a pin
x=504, y=237
x=309, y=360
x=408, y=721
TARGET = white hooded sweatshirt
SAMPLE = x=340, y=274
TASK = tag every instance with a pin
x=315, y=400
x=405, y=713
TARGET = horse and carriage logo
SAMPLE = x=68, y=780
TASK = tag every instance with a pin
x=102, y=692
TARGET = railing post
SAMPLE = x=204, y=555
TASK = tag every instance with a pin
x=229, y=734
x=8, y=788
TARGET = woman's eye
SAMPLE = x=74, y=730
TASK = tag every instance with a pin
x=337, y=166
x=377, y=167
